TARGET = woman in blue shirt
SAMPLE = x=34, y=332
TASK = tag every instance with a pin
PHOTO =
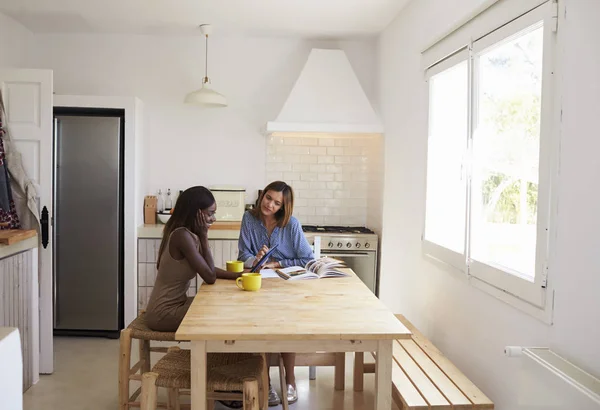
x=271, y=223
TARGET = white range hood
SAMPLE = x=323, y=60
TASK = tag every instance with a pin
x=327, y=98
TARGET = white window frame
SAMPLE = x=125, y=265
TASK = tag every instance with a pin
x=505, y=20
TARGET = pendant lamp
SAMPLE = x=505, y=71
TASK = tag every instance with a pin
x=206, y=96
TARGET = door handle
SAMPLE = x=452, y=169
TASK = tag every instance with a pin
x=44, y=221
x=345, y=255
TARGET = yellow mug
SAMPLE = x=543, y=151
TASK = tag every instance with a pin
x=235, y=266
x=249, y=281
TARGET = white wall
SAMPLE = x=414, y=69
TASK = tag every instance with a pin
x=186, y=145
x=468, y=325
x=15, y=43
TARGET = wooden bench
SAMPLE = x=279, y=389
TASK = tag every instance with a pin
x=423, y=378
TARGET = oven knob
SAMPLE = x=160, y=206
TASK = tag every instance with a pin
x=339, y=244
x=349, y=245
x=358, y=245
x=367, y=245
x=330, y=244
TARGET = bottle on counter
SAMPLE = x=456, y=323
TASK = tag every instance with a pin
x=169, y=201
x=160, y=205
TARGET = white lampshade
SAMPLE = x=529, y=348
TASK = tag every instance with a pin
x=207, y=97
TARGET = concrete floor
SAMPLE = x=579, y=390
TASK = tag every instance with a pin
x=86, y=377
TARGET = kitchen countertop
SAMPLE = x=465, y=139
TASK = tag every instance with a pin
x=155, y=232
x=24, y=245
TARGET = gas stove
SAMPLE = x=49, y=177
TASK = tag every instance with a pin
x=356, y=246
x=342, y=238
x=337, y=229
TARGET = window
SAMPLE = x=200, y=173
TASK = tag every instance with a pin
x=488, y=157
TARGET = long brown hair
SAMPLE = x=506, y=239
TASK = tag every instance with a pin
x=287, y=208
x=185, y=214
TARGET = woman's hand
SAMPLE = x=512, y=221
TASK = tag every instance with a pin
x=263, y=251
x=272, y=265
x=203, y=224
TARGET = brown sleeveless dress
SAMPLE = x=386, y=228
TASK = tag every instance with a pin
x=168, y=302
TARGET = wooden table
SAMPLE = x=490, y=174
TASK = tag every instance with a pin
x=306, y=316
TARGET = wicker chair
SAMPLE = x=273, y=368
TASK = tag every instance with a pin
x=226, y=375
x=137, y=330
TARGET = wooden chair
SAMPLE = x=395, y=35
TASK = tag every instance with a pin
x=140, y=331
x=226, y=375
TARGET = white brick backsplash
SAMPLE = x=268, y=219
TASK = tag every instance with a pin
x=299, y=184
x=274, y=158
x=326, y=142
x=315, y=220
x=342, y=142
x=318, y=150
x=292, y=141
x=326, y=160
x=291, y=176
x=318, y=185
x=309, y=159
x=360, y=142
x=341, y=194
x=291, y=159
x=280, y=167
x=343, y=177
x=320, y=169
x=332, y=177
x=326, y=177
x=309, y=176
x=302, y=167
x=300, y=201
x=354, y=151
x=306, y=211
x=316, y=202
x=334, y=169
x=274, y=176
x=325, y=194
x=360, y=177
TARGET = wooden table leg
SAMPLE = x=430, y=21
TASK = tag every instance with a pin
x=383, y=375
x=340, y=371
x=198, y=368
x=359, y=370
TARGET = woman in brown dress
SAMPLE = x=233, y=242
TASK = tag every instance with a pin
x=183, y=254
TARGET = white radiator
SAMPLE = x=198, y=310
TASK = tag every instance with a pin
x=549, y=382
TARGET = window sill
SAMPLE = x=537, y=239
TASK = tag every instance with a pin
x=543, y=314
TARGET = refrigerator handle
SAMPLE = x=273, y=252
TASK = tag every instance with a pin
x=44, y=221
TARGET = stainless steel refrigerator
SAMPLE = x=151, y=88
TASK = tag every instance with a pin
x=88, y=221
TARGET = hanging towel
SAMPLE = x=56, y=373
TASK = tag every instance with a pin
x=8, y=212
x=18, y=193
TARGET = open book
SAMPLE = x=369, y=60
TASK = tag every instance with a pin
x=315, y=269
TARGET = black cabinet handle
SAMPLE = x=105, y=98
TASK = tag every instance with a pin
x=44, y=222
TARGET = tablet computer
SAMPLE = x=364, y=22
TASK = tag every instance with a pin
x=264, y=259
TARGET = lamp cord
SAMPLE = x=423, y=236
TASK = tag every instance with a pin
x=206, y=61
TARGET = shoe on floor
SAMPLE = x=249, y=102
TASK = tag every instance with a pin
x=273, y=397
x=292, y=394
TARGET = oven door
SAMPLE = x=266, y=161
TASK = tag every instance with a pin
x=364, y=264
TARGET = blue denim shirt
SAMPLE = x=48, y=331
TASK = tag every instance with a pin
x=293, y=248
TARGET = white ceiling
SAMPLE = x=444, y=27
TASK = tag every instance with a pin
x=306, y=18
